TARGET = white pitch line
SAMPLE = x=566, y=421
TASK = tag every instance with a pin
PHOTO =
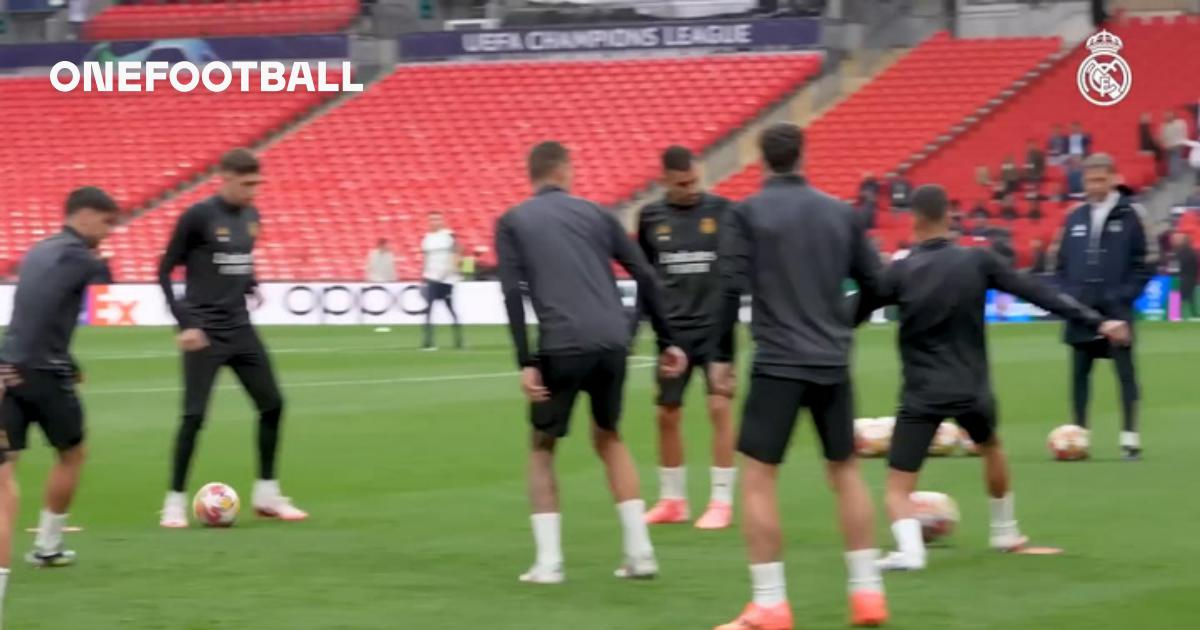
x=86, y=358
x=637, y=362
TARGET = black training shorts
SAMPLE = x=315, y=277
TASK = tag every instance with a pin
x=672, y=390
x=601, y=375
x=770, y=415
x=46, y=398
x=915, y=429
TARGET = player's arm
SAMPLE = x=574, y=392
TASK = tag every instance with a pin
x=876, y=287
x=1003, y=277
x=885, y=293
x=734, y=261
x=643, y=243
x=1143, y=256
x=176, y=255
x=511, y=270
x=649, y=287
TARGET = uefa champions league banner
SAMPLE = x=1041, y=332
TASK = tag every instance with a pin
x=737, y=34
x=197, y=51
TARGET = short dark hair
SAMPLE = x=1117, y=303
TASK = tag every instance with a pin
x=239, y=162
x=90, y=197
x=677, y=158
x=929, y=202
x=545, y=157
x=781, y=145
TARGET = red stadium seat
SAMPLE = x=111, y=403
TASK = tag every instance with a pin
x=203, y=19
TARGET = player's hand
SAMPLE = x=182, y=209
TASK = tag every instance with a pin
x=192, y=339
x=1117, y=332
x=255, y=297
x=531, y=384
x=9, y=377
x=672, y=362
x=723, y=379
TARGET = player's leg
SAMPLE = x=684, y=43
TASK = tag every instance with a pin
x=723, y=473
x=449, y=300
x=980, y=425
x=910, y=444
x=768, y=418
x=1131, y=443
x=9, y=509
x=605, y=385
x=199, y=373
x=252, y=365
x=672, y=506
x=550, y=421
x=429, y=291
x=1081, y=383
x=833, y=415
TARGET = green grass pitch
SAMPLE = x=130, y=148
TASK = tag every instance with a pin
x=412, y=465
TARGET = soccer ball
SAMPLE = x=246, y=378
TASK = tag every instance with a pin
x=968, y=445
x=945, y=441
x=216, y=505
x=873, y=436
x=1069, y=443
x=937, y=513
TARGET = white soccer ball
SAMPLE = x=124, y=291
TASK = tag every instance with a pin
x=937, y=512
x=873, y=436
x=216, y=505
x=1069, y=442
x=945, y=441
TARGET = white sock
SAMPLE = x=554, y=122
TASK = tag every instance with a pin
x=633, y=523
x=266, y=488
x=1004, y=514
x=3, y=589
x=176, y=498
x=909, y=539
x=49, y=536
x=768, y=584
x=547, y=535
x=863, y=567
x=1131, y=439
x=722, y=484
x=672, y=483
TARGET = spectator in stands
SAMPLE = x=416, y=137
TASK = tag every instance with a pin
x=900, y=190
x=984, y=178
x=1035, y=163
x=77, y=15
x=1172, y=137
x=957, y=228
x=1040, y=259
x=1079, y=143
x=1008, y=208
x=1056, y=147
x=1060, y=193
x=381, y=263
x=1010, y=176
x=1193, y=200
x=1035, y=210
x=979, y=211
x=869, y=187
x=1185, y=259
x=1075, y=177
x=1147, y=143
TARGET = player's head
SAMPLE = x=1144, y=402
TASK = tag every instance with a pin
x=240, y=176
x=680, y=177
x=1099, y=176
x=1076, y=127
x=549, y=164
x=1169, y=115
x=1179, y=239
x=92, y=213
x=781, y=145
x=436, y=222
x=381, y=243
x=931, y=211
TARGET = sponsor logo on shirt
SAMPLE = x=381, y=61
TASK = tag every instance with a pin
x=1115, y=227
x=1079, y=229
x=233, y=264
x=684, y=263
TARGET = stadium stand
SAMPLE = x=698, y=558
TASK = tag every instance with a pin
x=1054, y=98
x=152, y=20
x=453, y=138
x=135, y=145
x=904, y=108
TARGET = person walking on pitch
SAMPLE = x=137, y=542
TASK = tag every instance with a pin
x=559, y=248
x=941, y=290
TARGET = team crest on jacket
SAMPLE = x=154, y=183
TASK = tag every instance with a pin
x=252, y=228
x=222, y=234
x=663, y=232
x=1104, y=77
x=708, y=225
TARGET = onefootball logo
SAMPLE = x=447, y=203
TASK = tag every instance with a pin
x=1104, y=77
x=185, y=76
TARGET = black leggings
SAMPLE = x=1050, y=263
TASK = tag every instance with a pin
x=1083, y=356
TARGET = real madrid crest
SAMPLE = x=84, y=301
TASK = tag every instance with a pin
x=663, y=232
x=708, y=225
x=1104, y=77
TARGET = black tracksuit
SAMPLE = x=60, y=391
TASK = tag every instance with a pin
x=941, y=290
x=558, y=249
x=791, y=246
x=37, y=343
x=214, y=241
x=681, y=243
